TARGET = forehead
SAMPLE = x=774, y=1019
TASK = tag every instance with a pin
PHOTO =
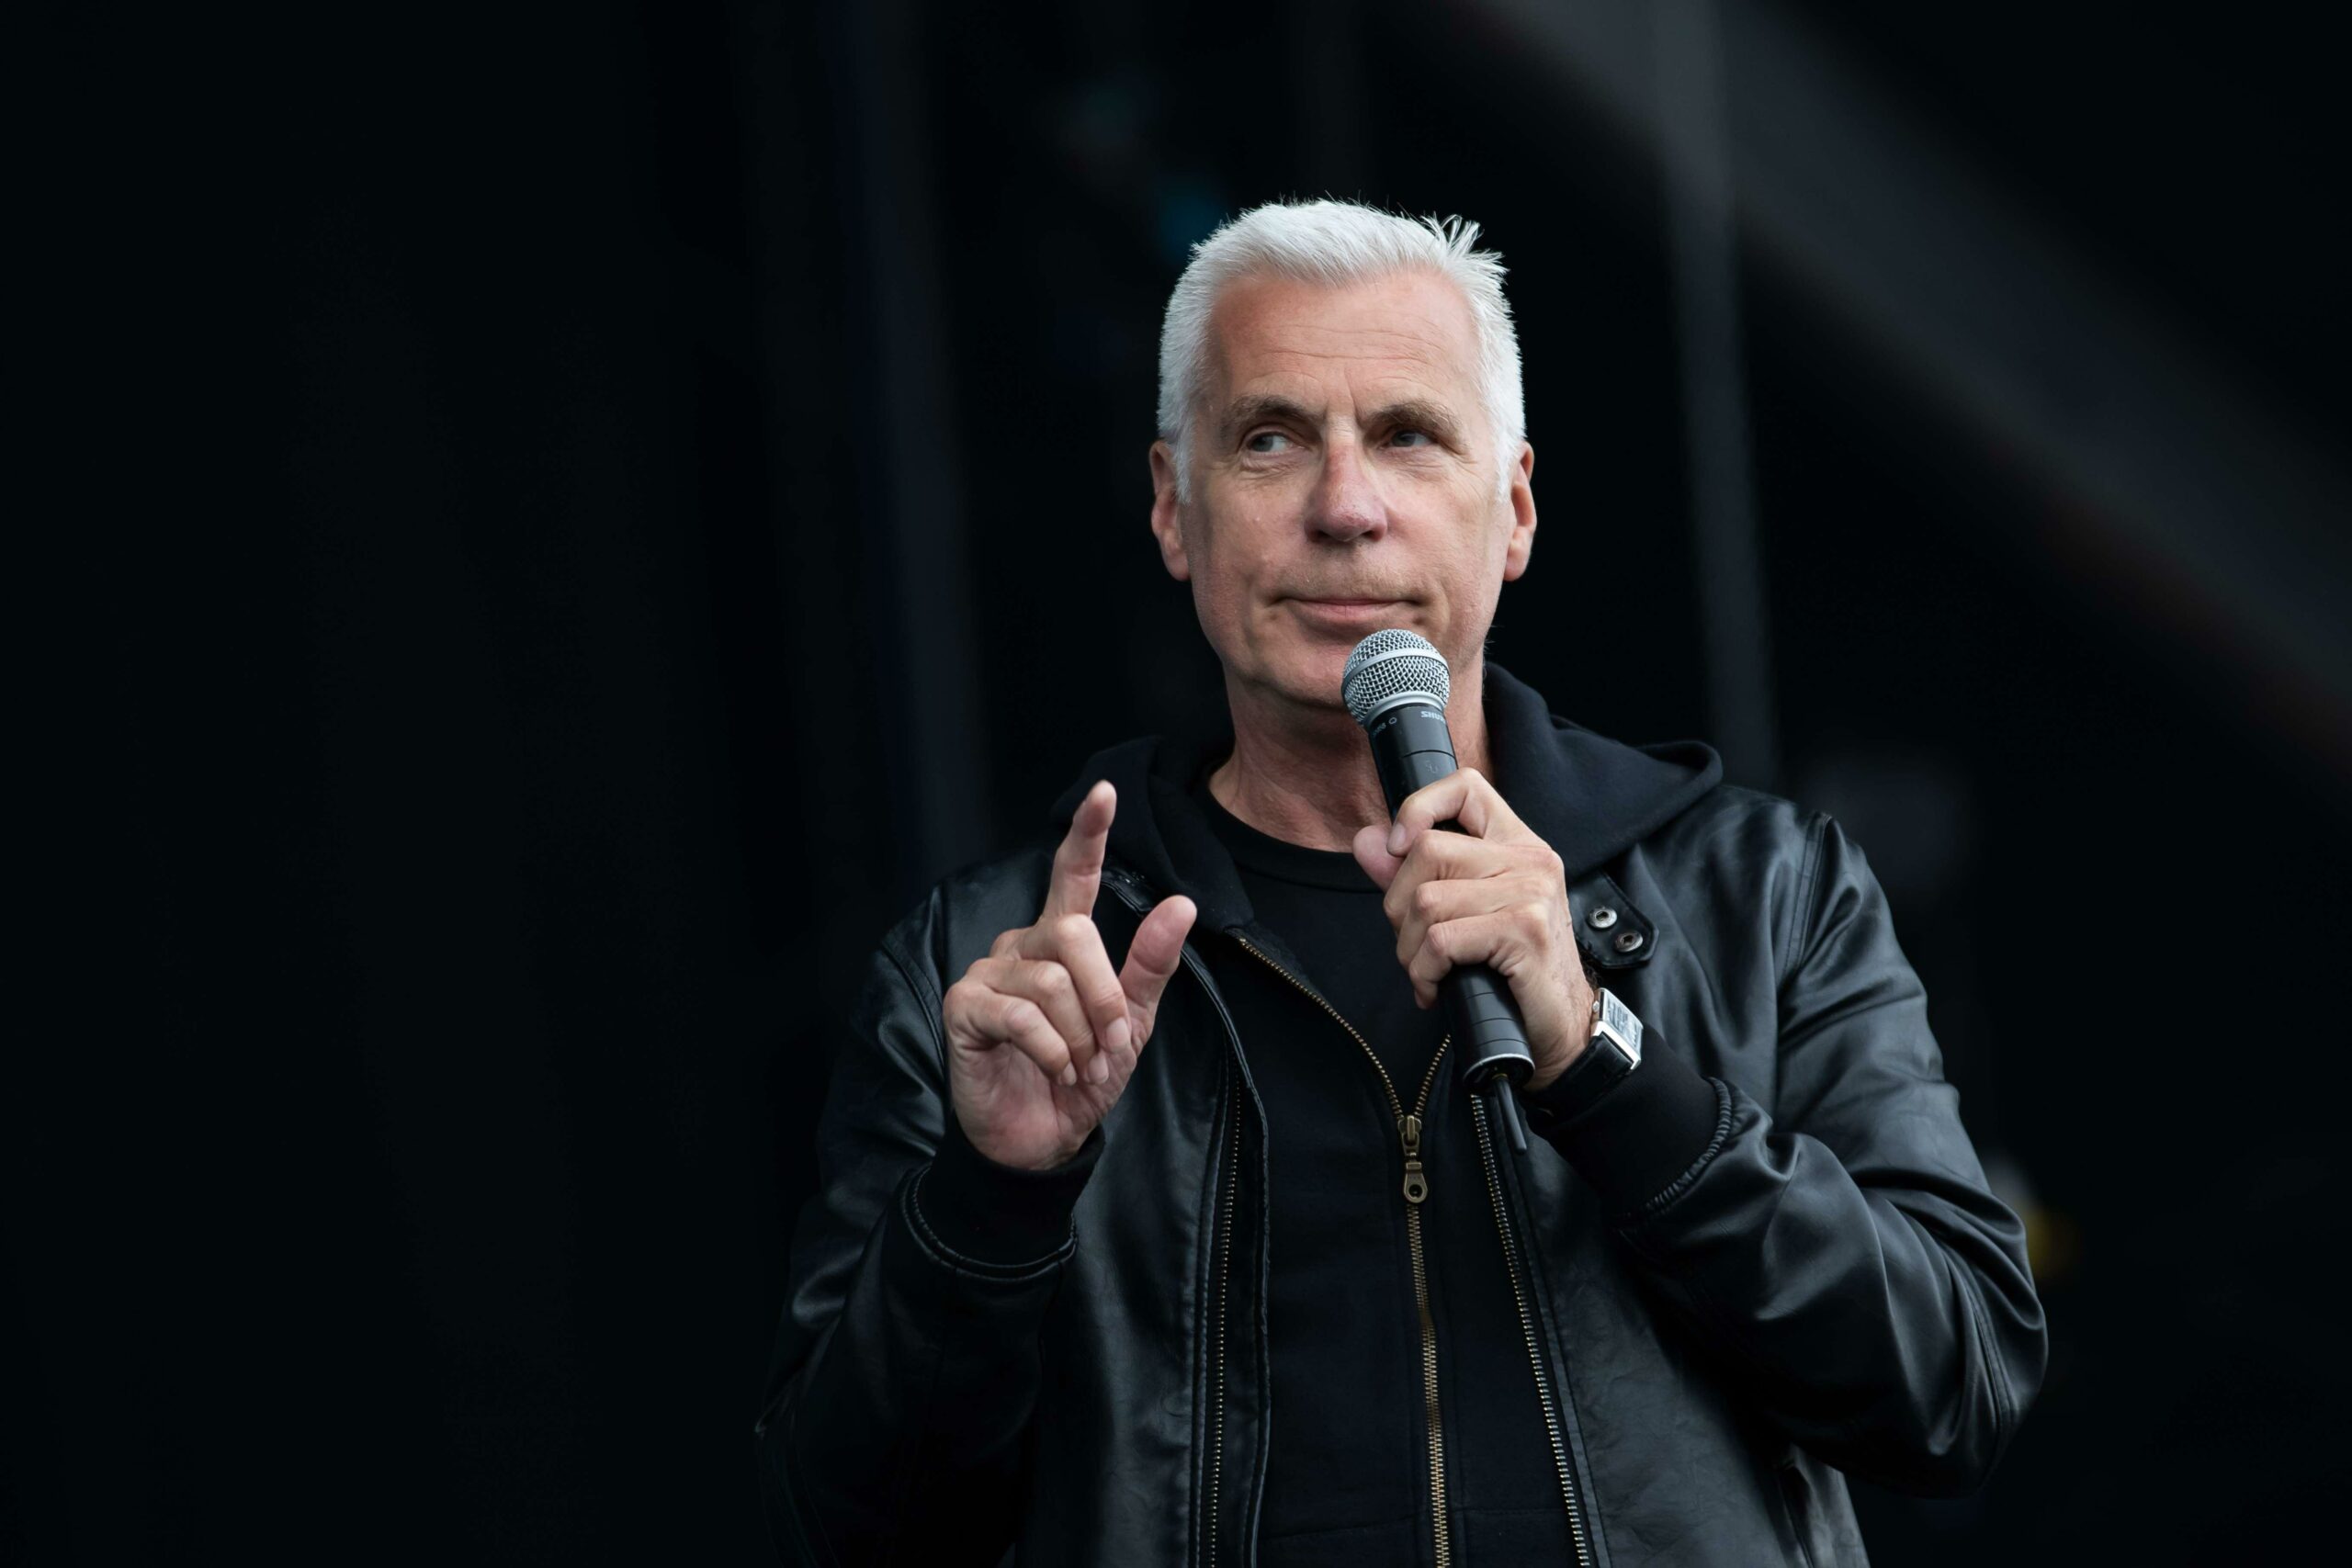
x=1410, y=333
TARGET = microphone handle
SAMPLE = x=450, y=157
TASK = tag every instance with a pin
x=1412, y=747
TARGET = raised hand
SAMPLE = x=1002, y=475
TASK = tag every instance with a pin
x=1042, y=1035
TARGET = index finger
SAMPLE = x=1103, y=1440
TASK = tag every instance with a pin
x=1077, y=864
x=1464, y=797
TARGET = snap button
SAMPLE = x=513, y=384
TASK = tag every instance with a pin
x=1611, y=932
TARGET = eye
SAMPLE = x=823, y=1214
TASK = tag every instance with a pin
x=1409, y=437
x=1266, y=441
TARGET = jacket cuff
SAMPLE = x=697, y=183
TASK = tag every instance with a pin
x=995, y=1213
x=1644, y=1135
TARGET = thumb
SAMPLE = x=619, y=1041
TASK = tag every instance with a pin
x=1371, y=847
x=1152, y=958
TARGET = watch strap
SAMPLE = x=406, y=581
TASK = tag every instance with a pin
x=1607, y=1059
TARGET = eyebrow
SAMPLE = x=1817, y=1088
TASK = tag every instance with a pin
x=1416, y=413
x=1421, y=415
x=1262, y=409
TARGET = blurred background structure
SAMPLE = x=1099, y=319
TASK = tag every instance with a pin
x=592, y=509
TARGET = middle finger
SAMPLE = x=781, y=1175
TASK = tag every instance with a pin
x=1075, y=943
x=1054, y=991
x=1435, y=902
x=1439, y=856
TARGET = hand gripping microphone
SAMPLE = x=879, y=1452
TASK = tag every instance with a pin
x=1395, y=685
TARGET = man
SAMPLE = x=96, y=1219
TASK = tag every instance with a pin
x=1154, y=1228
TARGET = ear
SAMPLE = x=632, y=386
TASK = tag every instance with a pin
x=1166, y=526
x=1522, y=513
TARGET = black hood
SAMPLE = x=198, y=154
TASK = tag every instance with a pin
x=1590, y=797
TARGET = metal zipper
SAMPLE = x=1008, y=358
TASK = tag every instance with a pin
x=1224, y=1294
x=1527, y=1331
x=1133, y=897
x=1417, y=1190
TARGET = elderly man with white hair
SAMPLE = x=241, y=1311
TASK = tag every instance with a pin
x=1154, y=1228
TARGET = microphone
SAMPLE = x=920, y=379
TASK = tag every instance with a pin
x=1395, y=685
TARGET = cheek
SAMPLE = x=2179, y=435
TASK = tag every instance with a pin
x=1470, y=599
x=1236, y=560
x=1220, y=580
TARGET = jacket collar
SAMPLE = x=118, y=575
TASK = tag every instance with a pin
x=1590, y=797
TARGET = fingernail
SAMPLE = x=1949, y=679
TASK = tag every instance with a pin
x=1070, y=1073
x=1119, y=1035
x=1099, y=1069
x=1396, y=839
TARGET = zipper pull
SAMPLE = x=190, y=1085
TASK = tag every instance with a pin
x=1416, y=1186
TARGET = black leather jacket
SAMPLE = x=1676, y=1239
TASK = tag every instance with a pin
x=1829, y=1288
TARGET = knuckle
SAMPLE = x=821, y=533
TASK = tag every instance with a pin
x=1426, y=899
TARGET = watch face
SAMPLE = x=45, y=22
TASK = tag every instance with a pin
x=1617, y=1020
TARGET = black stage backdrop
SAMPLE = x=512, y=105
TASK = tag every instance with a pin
x=580, y=513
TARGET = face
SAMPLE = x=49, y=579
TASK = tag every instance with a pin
x=1344, y=479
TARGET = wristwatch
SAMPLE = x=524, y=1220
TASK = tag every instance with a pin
x=1615, y=1050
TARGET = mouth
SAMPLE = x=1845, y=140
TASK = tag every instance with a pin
x=1346, y=609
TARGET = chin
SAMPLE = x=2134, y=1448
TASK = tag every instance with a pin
x=1310, y=675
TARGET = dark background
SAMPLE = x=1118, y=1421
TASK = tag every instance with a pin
x=571, y=518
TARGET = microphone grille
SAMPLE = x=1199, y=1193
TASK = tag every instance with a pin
x=1390, y=667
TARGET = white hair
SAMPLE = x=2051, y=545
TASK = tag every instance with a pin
x=1336, y=243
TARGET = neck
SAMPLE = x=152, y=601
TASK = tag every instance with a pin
x=1303, y=774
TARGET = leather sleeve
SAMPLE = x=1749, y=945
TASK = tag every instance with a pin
x=906, y=1368
x=1842, y=1250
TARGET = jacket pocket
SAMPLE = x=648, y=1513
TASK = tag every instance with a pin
x=1796, y=1496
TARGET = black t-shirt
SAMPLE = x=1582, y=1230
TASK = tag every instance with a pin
x=1322, y=904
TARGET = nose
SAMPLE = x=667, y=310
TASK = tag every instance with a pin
x=1347, y=504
